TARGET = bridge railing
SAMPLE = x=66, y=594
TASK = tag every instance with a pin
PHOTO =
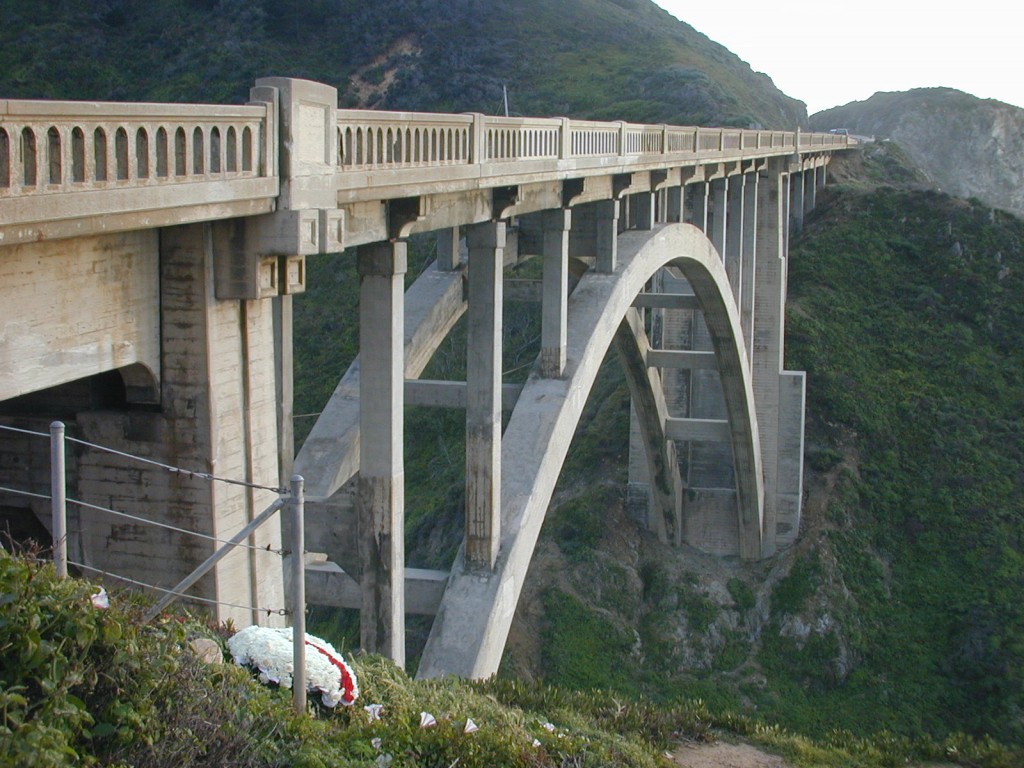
x=399, y=140
x=52, y=146
x=72, y=167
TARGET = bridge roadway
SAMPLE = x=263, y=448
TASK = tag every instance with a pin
x=150, y=255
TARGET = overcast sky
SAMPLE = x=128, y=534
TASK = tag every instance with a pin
x=831, y=52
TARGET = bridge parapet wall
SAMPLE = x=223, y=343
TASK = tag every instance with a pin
x=64, y=165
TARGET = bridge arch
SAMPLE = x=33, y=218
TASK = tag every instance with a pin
x=472, y=623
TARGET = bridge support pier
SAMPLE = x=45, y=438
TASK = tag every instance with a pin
x=717, y=219
x=748, y=271
x=554, y=307
x=697, y=209
x=483, y=394
x=381, y=495
x=734, y=234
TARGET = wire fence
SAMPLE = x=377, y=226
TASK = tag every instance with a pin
x=288, y=497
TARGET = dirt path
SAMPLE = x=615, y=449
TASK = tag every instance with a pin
x=722, y=755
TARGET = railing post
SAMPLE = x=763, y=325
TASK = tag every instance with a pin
x=477, y=149
x=565, y=139
x=58, y=499
x=622, y=138
x=298, y=597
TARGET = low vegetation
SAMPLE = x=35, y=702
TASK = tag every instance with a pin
x=84, y=686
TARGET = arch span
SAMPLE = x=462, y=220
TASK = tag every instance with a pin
x=469, y=632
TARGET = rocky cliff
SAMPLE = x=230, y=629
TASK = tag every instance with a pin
x=968, y=147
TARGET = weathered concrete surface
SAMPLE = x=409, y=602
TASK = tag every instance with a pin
x=76, y=308
x=469, y=631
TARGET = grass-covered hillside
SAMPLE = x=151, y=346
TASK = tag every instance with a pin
x=86, y=686
x=900, y=607
x=602, y=59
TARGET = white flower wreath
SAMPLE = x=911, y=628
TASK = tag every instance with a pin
x=269, y=650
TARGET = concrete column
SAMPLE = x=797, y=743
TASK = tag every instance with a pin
x=674, y=205
x=643, y=211
x=768, y=335
x=483, y=394
x=811, y=192
x=748, y=269
x=381, y=496
x=799, y=202
x=697, y=208
x=283, y=356
x=607, y=235
x=734, y=234
x=219, y=412
x=448, y=255
x=555, y=301
x=719, y=196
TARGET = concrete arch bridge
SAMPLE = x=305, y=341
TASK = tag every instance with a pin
x=151, y=254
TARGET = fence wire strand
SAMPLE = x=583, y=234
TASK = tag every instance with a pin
x=16, y=492
x=24, y=431
x=179, y=470
x=176, y=529
x=268, y=611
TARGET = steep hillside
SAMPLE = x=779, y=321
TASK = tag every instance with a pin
x=602, y=59
x=967, y=146
x=899, y=607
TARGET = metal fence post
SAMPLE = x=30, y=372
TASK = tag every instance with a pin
x=298, y=597
x=58, y=499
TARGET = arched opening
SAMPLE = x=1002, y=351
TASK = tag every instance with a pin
x=56, y=172
x=77, y=155
x=99, y=150
x=198, y=155
x=5, y=159
x=232, y=150
x=215, y=150
x=28, y=157
x=121, y=153
x=161, y=152
x=247, y=149
x=142, y=153
x=180, y=152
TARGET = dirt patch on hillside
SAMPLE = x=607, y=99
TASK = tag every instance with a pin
x=722, y=755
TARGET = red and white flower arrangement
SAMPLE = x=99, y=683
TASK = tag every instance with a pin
x=269, y=649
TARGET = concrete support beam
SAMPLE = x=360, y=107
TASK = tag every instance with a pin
x=666, y=301
x=674, y=205
x=734, y=234
x=697, y=205
x=643, y=210
x=483, y=397
x=748, y=268
x=681, y=358
x=799, y=203
x=381, y=495
x=556, y=226
x=285, y=384
x=769, y=308
x=698, y=430
x=328, y=584
x=452, y=394
x=661, y=460
x=607, y=234
x=448, y=248
x=717, y=222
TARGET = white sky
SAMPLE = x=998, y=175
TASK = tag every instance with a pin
x=831, y=52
